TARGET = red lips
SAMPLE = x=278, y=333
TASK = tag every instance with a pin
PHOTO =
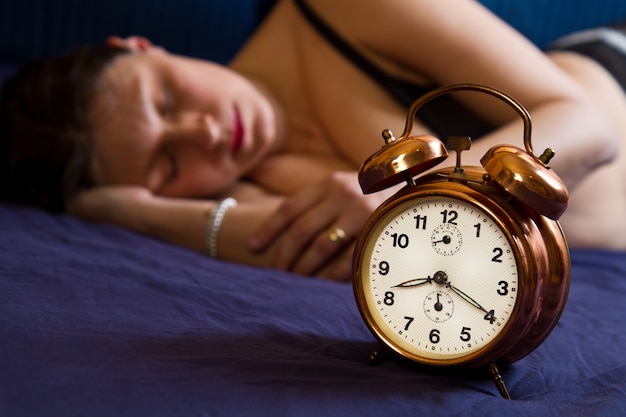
x=238, y=133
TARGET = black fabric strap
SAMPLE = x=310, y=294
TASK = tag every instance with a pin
x=342, y=46
x=445, y=116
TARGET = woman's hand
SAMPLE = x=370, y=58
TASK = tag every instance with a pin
x=120, y=205
x=317, y=227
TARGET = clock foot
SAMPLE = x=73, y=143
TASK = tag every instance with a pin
x=376, y=355
x=497, y=378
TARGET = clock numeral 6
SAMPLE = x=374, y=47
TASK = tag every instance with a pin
x=434, y=336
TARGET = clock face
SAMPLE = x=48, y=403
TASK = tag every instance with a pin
x=439, y=278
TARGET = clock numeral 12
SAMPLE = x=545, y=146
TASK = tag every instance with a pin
x=449, y=216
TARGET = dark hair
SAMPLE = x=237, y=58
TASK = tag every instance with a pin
x=46, y=139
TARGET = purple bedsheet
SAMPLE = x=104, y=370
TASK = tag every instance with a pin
x=98, y=321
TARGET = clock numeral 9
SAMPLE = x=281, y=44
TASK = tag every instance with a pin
x=383, y=268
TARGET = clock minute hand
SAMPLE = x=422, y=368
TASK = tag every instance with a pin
x=413, y=282
x=466, y=297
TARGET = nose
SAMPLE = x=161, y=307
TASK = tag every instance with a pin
x=195, y=128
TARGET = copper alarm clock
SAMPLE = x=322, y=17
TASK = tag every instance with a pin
x=465, y=267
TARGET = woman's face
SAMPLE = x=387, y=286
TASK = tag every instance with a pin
x=180, y=127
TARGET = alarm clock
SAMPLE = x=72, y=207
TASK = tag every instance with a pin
x=464, y=267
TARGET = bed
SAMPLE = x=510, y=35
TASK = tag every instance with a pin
x=99, y=321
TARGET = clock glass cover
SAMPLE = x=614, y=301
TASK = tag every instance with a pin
x=439, y=277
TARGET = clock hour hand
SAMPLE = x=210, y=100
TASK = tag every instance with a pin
x=440, y=277
x=414, y=282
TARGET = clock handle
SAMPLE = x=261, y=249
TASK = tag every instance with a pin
x=521, y=111
x=522, y=174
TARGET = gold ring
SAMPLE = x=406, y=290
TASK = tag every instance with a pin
x=336, y=233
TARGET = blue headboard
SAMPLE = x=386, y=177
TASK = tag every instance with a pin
x=215, y=29
x=203, y=28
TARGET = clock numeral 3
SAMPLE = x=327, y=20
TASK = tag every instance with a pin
x=504, y=288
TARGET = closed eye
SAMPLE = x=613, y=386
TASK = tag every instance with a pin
x=166, y=102
x=173, y=166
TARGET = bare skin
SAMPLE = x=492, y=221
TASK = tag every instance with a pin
x=311, y=118
x=595, y=216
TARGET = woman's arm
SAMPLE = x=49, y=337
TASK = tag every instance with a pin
x=459, y=41
x=181, y=221
x=302, y=232
x=445, y=42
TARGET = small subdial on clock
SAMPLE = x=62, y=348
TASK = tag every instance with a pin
x=446, y=239
x=438, y=306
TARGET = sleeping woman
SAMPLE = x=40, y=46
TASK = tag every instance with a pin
x=131, y=134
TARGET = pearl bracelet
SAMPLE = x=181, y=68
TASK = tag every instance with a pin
x=215, y=223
